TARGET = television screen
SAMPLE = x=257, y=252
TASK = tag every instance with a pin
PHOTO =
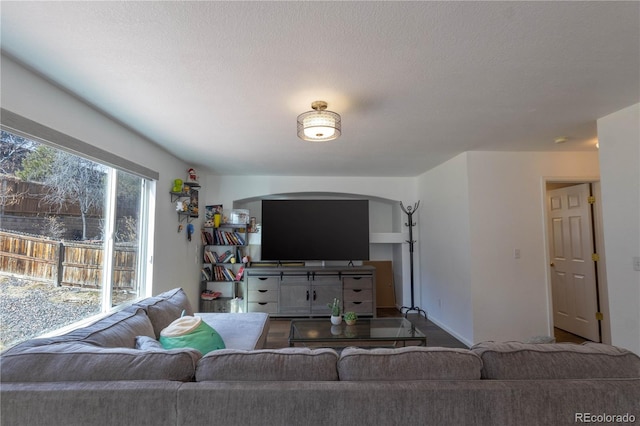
x=315, y=230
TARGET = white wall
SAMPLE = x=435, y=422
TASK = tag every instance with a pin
x=445, y=247
x=619, y=138
x=482, y=206
x=226, y=189
x=507, y=202
x=29, y=95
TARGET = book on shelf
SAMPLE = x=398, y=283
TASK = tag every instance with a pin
x=223, y=274
x=239, y=274
x=231, y=237
x=225, y=257
x=206, y=237
x=227, y=238
x=241, y=241
x=209, y=257
x=228, y=274
x=214, y=257
x=206, y=273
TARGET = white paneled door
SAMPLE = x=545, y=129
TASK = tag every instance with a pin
x=573, y=270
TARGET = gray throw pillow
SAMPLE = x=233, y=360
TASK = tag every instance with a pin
x=146, y=343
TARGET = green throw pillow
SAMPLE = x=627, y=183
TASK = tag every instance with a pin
x=191, y=332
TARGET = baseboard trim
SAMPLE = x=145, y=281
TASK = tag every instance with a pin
x=443, y=326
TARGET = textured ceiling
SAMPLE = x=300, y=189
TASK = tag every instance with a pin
x=220, y=84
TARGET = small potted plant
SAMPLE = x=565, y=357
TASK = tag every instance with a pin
x=336, y=319
x=350, y=317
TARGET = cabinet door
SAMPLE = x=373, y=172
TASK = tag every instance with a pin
x=325, y=288
x=322, y=293
x=295, y=295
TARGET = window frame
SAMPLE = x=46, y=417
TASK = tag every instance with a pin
x=29, y=129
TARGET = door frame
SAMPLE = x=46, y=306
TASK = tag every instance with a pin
x=601, y=273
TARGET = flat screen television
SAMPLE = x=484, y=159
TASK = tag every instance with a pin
x=297, y=230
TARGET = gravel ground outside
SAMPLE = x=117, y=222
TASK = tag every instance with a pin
x=31, y=308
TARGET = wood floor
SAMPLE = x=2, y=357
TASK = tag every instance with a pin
x=566, y=337
x=279, y=331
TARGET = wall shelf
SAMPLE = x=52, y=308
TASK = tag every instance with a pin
x=388, y=237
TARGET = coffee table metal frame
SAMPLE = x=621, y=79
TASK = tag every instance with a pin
x=387, y=331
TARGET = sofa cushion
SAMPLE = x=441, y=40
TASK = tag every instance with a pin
x=408, y=363
x=239, y=330
x=118, y=330
x=164, y=308
x=298, y=364
x=515, y=360
x=79, y=361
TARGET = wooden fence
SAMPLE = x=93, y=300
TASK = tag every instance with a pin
x=76, y=264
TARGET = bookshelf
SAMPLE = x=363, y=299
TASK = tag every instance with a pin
x=222, y=270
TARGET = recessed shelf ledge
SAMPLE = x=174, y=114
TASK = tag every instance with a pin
x=388, y=237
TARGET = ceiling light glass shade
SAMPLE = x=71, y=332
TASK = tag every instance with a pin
x=319, y=125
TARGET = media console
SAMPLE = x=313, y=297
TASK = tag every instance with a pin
x=289, y=291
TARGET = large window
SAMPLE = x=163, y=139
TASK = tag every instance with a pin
x=74, y=237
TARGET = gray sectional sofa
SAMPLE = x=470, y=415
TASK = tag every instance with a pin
x=96, y=376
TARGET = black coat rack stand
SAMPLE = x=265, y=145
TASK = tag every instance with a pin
x=409, y=211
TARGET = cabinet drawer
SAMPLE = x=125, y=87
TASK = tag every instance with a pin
x=263, y=296
x=357, y=295
x=265, y=307
x=263, y=283
x=359, y=307
x=358, y=283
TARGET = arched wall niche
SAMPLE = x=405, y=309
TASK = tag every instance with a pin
x=384, y=214
x=388, y=233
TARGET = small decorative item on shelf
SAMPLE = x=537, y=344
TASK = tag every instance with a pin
x=210, y=295
x=336, y=319
x=192, y=176
x=350, y=317
x=177, y=185
x=239, y=217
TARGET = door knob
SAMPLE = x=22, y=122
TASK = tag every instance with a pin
x=552, y=264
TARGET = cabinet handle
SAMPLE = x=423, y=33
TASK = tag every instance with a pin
x=263, y=291
x=356, y=303
x=263, y=278
x=307, y=294
x=262, y=303
x=357, y=290
x=357, y=278
x=314, y=295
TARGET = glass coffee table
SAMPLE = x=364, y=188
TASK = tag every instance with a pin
x=365, y=332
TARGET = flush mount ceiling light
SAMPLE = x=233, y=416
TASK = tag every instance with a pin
x=319, y=125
